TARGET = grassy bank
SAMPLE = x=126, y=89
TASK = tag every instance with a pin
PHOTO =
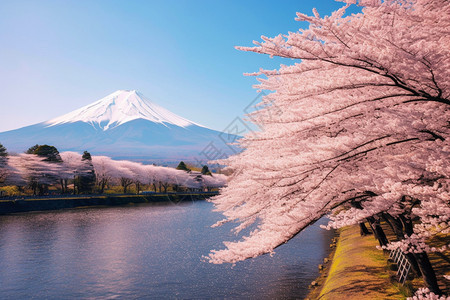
x=54, y=203
x=357, y=271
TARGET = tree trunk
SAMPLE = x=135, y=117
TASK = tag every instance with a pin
x=34, y=187
x=397, y=227
x=61, y=181
x=378, y=231
x=41, y=189
x=428, y=274
x=138, y=187
x=102, y=190
x=363, y=229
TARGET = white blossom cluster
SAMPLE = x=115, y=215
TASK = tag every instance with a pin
x=425, y=294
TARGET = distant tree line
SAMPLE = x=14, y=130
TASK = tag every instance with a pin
x=42, y=170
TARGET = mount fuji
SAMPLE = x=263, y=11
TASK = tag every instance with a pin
x=124, y=125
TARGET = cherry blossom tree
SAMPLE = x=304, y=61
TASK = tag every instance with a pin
x=34, y=171
x=130, y=172
x=4, y=170
x=73, y=167
x=105, y=171
x=71, y=161
x=127, y=173
x=150, y=176
x=214, y=180
x=363, y=131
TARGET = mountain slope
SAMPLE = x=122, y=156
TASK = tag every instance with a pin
x=123, y=125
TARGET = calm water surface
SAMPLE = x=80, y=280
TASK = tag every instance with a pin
x=144, y=252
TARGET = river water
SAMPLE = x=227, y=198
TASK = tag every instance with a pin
x=145, y=251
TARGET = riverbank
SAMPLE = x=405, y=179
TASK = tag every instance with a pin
x=54, y=203
x=357, y=271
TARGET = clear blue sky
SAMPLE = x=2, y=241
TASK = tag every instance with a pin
x=57, y=56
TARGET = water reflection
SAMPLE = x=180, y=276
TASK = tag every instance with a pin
x=144, y=251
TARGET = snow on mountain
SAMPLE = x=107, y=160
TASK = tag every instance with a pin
x=125, y=125
x=118, y=108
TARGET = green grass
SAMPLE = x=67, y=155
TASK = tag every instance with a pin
x=358, y=270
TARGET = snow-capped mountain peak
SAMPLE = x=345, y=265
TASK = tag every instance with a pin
x=118, y=108
x=125, y=125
